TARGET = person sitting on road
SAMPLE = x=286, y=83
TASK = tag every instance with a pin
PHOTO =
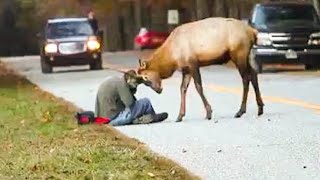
x=115, y=100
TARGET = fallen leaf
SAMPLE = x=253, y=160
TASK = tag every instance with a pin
x=34, y=168
x=151, y=174
x=87, y=160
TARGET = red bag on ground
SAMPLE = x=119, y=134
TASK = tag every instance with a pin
x=101, y=120
x=88, y=117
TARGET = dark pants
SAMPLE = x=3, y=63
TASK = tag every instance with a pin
x=139, y=108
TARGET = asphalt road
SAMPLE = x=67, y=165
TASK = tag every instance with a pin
x=281, y=144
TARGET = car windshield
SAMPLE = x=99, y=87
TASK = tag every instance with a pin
x=68, y=29
x=284, y=14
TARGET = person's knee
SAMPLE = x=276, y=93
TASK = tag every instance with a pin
x=145, y=101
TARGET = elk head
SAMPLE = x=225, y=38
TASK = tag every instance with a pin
x=150, y=77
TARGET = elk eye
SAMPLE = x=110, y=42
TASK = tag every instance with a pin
x=145, y=78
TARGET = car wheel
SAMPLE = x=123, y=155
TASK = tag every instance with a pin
x=45, y=66
x=260, y=68
x=311, y=67
x=96, y=65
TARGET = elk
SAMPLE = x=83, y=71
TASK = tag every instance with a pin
x=202, y=43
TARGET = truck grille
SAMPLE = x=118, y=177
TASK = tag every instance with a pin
x=71, y=47
x=290, y=40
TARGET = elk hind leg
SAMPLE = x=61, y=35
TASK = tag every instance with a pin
x=255, y=84
x=245, y=75
x=198, y=85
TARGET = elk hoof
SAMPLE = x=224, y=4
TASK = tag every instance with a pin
x=239, y=114
x=260, y=111
x=209, y=116
x=209, y=112
x=179, y=119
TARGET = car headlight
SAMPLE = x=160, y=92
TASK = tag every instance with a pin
x=314, y=39
x=263, y=39
x=315, y=35
x=314, y=42
x=51, y=48
x=93, y=44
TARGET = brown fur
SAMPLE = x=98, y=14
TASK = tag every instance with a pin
x=203, y=43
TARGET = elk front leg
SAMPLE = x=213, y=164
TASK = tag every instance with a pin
x=198, y=84
x=243, y=108
x=183, y=90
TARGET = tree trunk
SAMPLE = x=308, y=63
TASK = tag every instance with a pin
x=221, y=8
x=114, y=42
x=138, y=15
x=316, y=5
x=128, y=26
x=202, y=9
x=211, y=11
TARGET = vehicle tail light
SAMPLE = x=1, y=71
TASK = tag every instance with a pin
x=143, y=39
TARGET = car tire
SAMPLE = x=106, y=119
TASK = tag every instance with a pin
x=96, y=65
x=45, y=66
x=311, y=67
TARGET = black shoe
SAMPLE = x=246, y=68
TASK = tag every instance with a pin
x=145, y=119
x=159, y=117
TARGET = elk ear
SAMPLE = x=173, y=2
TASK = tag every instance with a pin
x=140, y=63
x=143, y=64
x=130, y=74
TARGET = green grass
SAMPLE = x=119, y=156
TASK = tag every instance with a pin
x=40, y=139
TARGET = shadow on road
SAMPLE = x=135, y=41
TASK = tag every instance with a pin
x=60, y=71
x=287, y=69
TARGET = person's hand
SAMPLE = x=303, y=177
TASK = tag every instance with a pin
x=133, y=90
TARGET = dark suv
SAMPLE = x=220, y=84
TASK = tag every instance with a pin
x=70, y=41
x=289, y=33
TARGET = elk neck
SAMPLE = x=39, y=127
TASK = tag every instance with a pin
x=162, y=62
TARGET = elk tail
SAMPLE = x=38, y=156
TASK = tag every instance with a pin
x=252, y=60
